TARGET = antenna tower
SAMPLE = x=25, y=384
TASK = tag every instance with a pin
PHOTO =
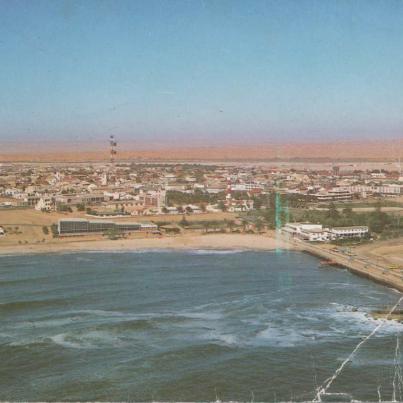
x=113, y=144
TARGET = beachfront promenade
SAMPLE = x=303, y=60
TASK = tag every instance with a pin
x=359, y=265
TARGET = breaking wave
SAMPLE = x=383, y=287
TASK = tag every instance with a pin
x=179, y=326
x=214, y=251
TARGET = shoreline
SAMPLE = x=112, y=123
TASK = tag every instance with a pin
x=359, y=266
x=180, y=242
x=218, y=242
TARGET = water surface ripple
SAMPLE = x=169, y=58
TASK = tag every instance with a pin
x=188, y=326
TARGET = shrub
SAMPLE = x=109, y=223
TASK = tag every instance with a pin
x=55, y=231
x=183, y=222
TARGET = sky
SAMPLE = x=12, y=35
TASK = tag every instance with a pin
x=196, y=72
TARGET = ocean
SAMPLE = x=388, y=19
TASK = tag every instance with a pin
x=191, y=326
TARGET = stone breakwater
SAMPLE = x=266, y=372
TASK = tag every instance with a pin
x=358, y=265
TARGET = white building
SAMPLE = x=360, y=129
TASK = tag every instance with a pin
x=176, y=187
x=246, y=187
x=316, y=232
x=386, y=190
x=112, y=195
x=389, y=190
x=11, y=192
x=335, y=194
x=307, y=232
x=172, y=210
x=349, y=232
x=44, y=204
x=104, y=179
x=234, y=205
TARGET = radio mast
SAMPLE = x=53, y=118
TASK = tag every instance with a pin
x=113, y=144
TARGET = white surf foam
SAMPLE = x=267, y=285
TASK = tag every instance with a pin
x=60, y=339
x=284, y=337
x=33, y=324
x=214, y=251
x=221, y=338
x=88, y=340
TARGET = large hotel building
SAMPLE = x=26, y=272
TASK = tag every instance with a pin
x=80, y=225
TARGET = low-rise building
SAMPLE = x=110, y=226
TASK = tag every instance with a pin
x=317, y=233
x=81, y=226
x=307, y=231
x=333, y=195
x=83, y=198
x=31, y=200
x=349, y=232
x=44, y=204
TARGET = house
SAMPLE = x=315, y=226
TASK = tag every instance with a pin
x=234, y=205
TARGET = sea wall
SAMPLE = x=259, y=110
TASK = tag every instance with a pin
x=359, y=266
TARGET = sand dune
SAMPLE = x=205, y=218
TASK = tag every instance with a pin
x=340, y=150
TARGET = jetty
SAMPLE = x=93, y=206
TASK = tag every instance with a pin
x=356, y=264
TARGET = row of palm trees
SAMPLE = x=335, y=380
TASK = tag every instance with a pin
x=241, y=224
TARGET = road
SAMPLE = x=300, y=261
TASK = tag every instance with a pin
x=357, y=264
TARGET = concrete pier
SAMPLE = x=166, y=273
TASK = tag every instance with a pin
x=359, y=265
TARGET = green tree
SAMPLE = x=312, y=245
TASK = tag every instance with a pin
x=81, y=207
x=112, y=233
x=55, y=230
x=244, y=224
x=64, y=208
x=270, y=217
x=347, y=211
x=184, y=222
x=333, y=213
x=259, y=225
x=257, y=203
x=378, y=221
x=230, y=224
x=222, y=206
x=349, y=217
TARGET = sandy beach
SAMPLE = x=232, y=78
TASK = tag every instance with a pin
x=180, y=242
